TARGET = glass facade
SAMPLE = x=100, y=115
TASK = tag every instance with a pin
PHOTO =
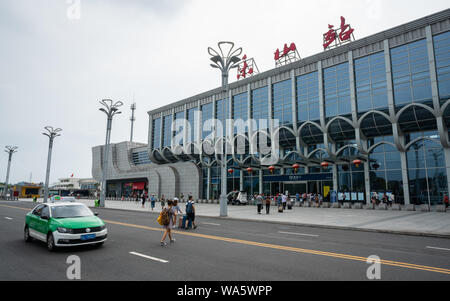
x=282, y=102
x=386, y=171
x=370, y=81
x=240, y=112
x=156, y=137
x=222, y=115
x=140, y=158
x=207, y=114
x=426, y=173
x=193, y=125
x=167, y=131
x=308, y=97
x=336, y=82
x=411, y=74
x=179, y=131
x=442, y=54
x=259, y=106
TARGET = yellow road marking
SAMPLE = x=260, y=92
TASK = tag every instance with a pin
x=291, y=249
x=277, y=247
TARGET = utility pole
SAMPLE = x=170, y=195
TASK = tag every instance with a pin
x=132, y=119
x=225, y=61
x=51, y=134
x=110, y=109
x=10, y=150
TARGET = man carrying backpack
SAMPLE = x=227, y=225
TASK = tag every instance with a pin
x=190, y=211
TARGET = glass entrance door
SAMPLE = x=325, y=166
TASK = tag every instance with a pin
x=294, y=188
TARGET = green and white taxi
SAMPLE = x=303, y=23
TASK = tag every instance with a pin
x=64, y=224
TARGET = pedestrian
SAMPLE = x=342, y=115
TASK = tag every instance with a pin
x=190, y=211
x=284, y=201
x=144, y=199
x=446, y=201
x=152, y=201
x=320, y=199
x=170, y=212
x=163, y=201
x=385, y=198
x=136, y=195
x=177, y=210
x=259, y=203
x=297, y=198
x=268, y=201
x=392, y=198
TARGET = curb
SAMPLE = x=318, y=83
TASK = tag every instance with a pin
x=409, y=233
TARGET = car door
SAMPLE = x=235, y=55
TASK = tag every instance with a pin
x=35, y=217
x=43, y=222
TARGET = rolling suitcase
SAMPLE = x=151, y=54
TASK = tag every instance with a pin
x=280, y=209
x=289, y=206
x=183, y=222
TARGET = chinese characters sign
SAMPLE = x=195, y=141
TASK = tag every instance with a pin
x=289, y=55
x=337, y=37
x=247, y=67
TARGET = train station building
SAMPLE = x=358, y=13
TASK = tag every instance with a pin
x=368, y=116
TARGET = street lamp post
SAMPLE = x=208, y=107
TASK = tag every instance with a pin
x=51, y=134
x=10, y=150
x=110, y=109
x=225, y=61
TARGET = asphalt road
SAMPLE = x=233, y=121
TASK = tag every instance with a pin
x=220, y=250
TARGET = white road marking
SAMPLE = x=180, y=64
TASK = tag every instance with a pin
x=438, y=248
x=212, y=224
x=149, y=257
x=301, y=234
x=8, y=218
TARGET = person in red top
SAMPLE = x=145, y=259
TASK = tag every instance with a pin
x=446, y=201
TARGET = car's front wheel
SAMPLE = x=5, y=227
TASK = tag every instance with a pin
x=26, y=235
x=50, y=242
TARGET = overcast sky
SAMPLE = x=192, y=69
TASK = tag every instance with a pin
x=58, y=60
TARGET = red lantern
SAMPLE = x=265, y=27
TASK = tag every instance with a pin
x=271, y=169
x=230, y=171
x=250, y=170
x=296, y=167
x=324, y=165
x=357, y=163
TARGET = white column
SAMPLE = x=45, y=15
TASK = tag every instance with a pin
x=352, y=88
x=405, y=177
x=367, y=181
x=321, y=96
x=447, y=166
x=433, y=74
x=261, y=186
x=208, y=185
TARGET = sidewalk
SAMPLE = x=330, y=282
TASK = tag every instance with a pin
x=401, y=222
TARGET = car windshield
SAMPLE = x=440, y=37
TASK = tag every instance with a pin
x=70, y=211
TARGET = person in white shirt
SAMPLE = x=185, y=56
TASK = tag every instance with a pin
x=284, y=201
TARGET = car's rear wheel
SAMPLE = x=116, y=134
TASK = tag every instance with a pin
x=26, y=234
x=50, y=242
